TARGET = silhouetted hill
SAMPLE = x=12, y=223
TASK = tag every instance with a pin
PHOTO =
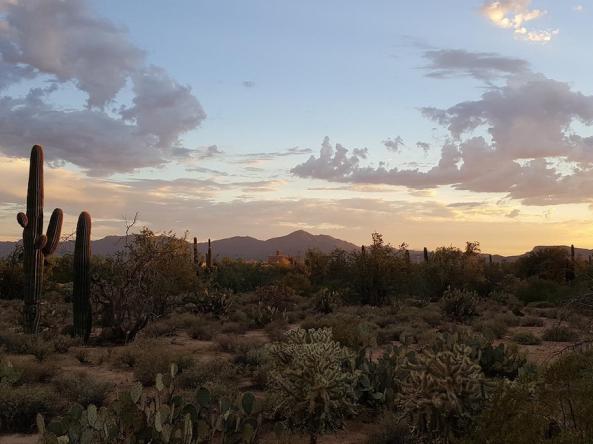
x=293, y=244
x=246, y=247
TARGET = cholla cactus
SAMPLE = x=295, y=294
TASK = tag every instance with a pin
x=312, y=381
x=459, y=305
x=442, y=391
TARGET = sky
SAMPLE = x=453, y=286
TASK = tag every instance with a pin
x=431, y=122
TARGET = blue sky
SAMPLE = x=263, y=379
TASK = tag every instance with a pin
x=224, y=136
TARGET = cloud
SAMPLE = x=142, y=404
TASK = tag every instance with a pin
x=424, y=146
x=394, y=144
x=447, y=63
x=515, y=15
x=251, y=158
x=248, y=84
x=578, y=8
x=64, y=41
x=208, y=152
x=519, y=139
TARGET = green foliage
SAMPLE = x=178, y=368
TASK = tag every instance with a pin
x=459, y=305
x=536, y=289
x=312, y=381
x=548, y=263
x=159, y=416
x=553, y=407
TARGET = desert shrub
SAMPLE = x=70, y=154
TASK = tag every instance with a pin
x=510, y=417
x=560, y=333
x=41, y=349
x=11, y=274
x=280, y=297
x=548, y=263
x=236, y=344
x=326, y=300
x=349, y=330
x=312, y=381
x=215, y=301
x=82, y=355
x=531, y=321
x=201, y=331
x=149, y=361
x=233, y=328
x=275, y=329
x=491, y=329
x=217, y=371
x=35, y=372
x=501, y=361
x=26, y=344
x=459, y=305
x=81, y=388
x=140, y=282
x=541, y=290
x=389, y=333
x=19, y=405
x=62, y=343
x=442, y=392
x=554, y=407
x=391, y=430
x=526, y=338
x=160, y=328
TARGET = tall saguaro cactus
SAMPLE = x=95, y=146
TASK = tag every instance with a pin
x=196, y=256
x=81, y=305
x=209, y=256
x=36, y=245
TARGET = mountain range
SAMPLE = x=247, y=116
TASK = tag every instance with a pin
x=294, y=244
x=245, y=247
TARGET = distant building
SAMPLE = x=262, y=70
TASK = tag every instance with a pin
x=280, y=259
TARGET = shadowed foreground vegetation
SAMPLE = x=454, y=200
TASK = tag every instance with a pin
x=361, y=346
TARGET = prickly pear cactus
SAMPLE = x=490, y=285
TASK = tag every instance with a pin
x=158, y=416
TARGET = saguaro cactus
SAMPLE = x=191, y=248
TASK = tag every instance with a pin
x=36, y=245
x=425, y=254
x=209, y=256
x=81, y=305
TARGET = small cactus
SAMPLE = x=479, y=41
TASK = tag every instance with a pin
x=36, y=245
x=81, y=306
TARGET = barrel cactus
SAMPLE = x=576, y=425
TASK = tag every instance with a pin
x=81, y=305
x=36, y=245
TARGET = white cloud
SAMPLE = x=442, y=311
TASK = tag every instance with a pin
x=516, y=15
